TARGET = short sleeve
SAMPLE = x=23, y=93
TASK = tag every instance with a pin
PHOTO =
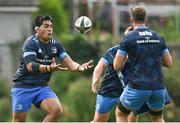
x=61, y=51
x=105, y=58
x=163, y=44
x=165, y=50
x=108, y=56
x=123, y=47
x=29, y=48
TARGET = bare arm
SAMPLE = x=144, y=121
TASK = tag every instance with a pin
x=74, y=66
x=98, y=70
x=128, y=29
x=167, y=60
x=119, y=61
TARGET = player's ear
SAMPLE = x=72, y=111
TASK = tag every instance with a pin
x=131, y=20
x=36, y=28
x=146, y=19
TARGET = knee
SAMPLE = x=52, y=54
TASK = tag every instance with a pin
x=132, y=118
x=120, y=113
x=158, y=118
x=56, y=111
x=19, y=117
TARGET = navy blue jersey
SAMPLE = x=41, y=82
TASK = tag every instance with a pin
x=43, y=54
x=111, y=85
x=145, y=50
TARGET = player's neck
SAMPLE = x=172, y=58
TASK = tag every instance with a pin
x=42, y=40
x=139, y=25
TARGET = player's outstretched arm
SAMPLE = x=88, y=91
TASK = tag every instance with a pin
x=74, y=66
x=98, y=70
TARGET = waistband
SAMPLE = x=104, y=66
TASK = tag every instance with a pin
x=141, y=87
x=29, y=85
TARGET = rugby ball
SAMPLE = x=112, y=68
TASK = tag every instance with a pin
x=83, y=24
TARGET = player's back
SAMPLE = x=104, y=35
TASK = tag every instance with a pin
x=145, y=50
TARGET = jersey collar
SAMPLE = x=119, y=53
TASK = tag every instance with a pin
x=140, y=27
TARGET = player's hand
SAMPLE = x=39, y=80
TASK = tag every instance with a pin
x=86, y=66
x=94, y=88
x=56, y=67
x=128, y=29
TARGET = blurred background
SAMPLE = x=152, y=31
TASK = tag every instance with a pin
x=110, y=19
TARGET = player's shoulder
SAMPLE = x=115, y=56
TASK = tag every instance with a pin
x=54, y=41
x=112, y=51
x=114, y=48
x=31, y=40
x=129, y=36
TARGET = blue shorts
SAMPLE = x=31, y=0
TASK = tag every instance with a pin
x=105, y=104
x=23, y=98
x=133, y=99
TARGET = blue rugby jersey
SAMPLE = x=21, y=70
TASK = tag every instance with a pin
x=111, y=85
x=145, y=50
x=43, y=54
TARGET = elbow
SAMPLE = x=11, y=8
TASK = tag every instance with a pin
x=167, y=61
x=169, y=65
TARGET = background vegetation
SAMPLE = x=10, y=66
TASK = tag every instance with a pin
x=74, y=89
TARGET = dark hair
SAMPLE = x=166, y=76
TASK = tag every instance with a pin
x=39, y=20
x=138, y=13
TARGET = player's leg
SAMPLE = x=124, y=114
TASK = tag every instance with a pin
x=122, y=113
x=157, y=117
x=101, y=117
x=156, y=104
x=54, y=109
x=21, y=102
x=19, y=116
x=103, y=107
x=132, y=118
x=49, y=102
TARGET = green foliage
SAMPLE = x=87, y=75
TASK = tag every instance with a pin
x=5, y=110
x=170, y=31
x=35, y=115
x=80, y=101
x=60, y=16
x=4, y=89
x=80, y=48
x=172, y=82
x=5, y=102
x=61, y=81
